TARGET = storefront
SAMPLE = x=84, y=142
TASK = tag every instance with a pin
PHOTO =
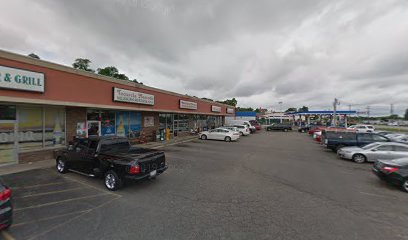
x=44, y=105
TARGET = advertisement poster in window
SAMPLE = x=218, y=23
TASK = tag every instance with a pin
x=135, y=124
x=149, y=121
x=81, y=130
x=30, y=128
x=122, y=124
x=108, y=124
x=54, y=127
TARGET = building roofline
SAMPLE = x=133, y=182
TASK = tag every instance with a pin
x=63, y=68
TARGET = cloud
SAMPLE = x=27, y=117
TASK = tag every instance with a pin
x=298, y=52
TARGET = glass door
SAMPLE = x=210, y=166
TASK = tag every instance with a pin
x=8, y=143
x=94, y=128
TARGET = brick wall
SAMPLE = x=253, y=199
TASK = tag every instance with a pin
x=73, y=116
x=35, y=156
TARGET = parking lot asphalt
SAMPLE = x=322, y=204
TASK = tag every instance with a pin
x=270, y=185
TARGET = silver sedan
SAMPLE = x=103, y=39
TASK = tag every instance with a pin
x=374, y=151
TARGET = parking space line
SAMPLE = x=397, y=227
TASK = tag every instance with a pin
x=62, y=201
x=72, y=219
x=7, y=236
x=88, y=185
x=37, y=185
x=52, y=217
x=48, y=193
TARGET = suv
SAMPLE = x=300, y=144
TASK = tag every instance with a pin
x=243, y=130
x=279, y=126
x=111, y=158
x=362, y=128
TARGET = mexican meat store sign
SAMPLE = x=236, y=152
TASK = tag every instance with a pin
x=123, y=95
x=18, y=79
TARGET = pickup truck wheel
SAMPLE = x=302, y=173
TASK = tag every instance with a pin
x=359, y=158
x=112, y=181
x=405, y=185
x=241, y=133
x=285, y=130
x=227, y=139
x=203, y=137
x=61, y=165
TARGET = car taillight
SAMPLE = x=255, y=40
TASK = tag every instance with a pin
x=390, y=169
x=134, y=169
x=5, y=195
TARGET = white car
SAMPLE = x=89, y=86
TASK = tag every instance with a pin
x=219, y=134
x=234, y=129
x=362, y=128
x=243, y=130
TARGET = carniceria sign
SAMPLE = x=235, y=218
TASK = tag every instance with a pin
x=18, y=79
x=123, y=95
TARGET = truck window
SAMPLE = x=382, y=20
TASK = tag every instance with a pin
x=379, y=138
x=365, y=137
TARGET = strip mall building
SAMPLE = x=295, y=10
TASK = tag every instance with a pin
x=44, y=105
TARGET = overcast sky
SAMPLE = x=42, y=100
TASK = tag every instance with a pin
x=303, y=52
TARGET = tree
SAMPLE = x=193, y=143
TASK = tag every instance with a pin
x=33, y=55
x=406, y=115
x=232, y=102
x=112, y=72
x=240, y=109
x=303, y=109
x=82, y=64
x=292, y=109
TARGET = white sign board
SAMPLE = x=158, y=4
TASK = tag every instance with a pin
x=148, y=121
x=18, y=79
x=230, y=110
x=188, y=105
x=215, y=109
x=123, y=95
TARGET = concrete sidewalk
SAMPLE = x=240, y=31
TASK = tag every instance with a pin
x=51, y=162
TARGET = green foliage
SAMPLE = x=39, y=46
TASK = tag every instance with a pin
x=112, y=72
x=303, y=109
x=82, y=64
x=406, y=115
x=292, y=109
x=33, y=55
x=240, y=109
x=232, y=102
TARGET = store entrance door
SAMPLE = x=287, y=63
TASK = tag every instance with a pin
x=94, y=128
x=8, y=142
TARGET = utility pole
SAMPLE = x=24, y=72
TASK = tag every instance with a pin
x=335, y=103
x=349, y=107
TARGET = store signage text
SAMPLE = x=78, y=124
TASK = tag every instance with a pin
x=13, y=78
x=230, y=110
x=188, y=105
x=215, y=109
x=123, y=95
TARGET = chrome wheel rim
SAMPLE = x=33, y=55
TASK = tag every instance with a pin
x=60, y=166
x=405, y=185
x=110, y=181
x=228, y=139
x=359, y=159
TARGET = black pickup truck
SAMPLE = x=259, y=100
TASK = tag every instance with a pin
x=280, y=127
x=112, y=158
x=336, y=140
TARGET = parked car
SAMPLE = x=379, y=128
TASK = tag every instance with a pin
x=6, y=207
x=362, y=128
x=232, y=128
x=251, y=128
x=112, y=158
x=279, y=126
x=384, y=133
x=396, y=137
x=255, y=124
x=243, y=130
x=337, y=140
x=219, y=134
x=374, y=151
x=394, y=172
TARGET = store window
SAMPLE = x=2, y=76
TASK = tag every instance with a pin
x=108, y=123
x=135, y=124
x=54, y=127
x=122, y=124
x=7, y=113
x=30, y=128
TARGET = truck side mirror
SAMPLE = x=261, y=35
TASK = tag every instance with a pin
x=70, y=147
